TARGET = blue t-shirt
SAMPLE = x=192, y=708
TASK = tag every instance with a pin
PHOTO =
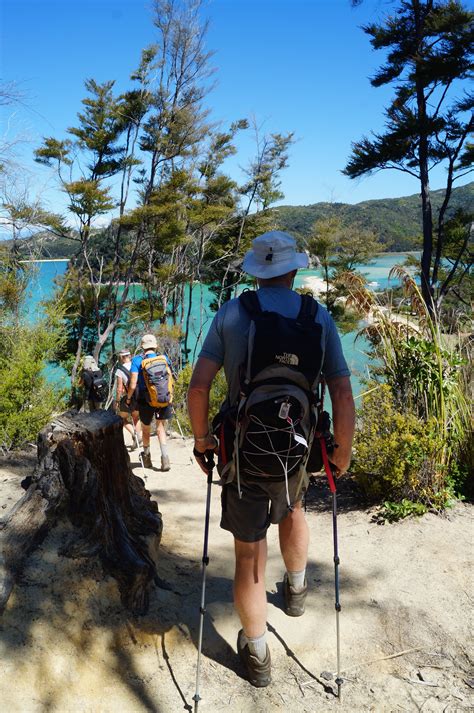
x=226, y=341
x=136, y=368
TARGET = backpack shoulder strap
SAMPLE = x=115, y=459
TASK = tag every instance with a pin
x=124, y=370
x=250, y=302
x=308, y=308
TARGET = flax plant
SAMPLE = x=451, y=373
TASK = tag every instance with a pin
x=424, y=370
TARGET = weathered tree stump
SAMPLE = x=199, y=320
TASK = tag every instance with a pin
x=83, y=473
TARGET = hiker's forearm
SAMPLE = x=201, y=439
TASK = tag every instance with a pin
x=343, y=415
x=198, y=409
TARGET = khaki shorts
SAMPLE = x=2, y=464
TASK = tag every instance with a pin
x=263, y=503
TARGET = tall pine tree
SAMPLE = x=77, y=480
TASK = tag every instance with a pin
x=429, y=49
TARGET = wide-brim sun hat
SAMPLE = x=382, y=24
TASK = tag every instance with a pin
x=149, y=341
x=273, y=254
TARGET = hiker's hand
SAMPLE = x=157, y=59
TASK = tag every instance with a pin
x=204, y=452
x=207, y=443
x=337, y=472
x=338, y=466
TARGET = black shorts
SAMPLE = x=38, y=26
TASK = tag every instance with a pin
x=147, y=412
x=262, y=503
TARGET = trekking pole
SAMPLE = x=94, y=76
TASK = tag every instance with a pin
x=207, y=459
x=332, y=487
x=145, y=477
x=181, y=432
x=179, y=426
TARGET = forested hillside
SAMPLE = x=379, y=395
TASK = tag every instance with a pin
x=396, y=220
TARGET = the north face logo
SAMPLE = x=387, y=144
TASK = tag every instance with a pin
x=287, y=358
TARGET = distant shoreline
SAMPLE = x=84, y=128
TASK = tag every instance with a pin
x=52, y=259
x=67, y=259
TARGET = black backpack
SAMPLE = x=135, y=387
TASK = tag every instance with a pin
x=99, y=386
x=273, y=424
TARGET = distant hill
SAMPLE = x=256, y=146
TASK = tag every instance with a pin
x=396, y=220
x=44, y=245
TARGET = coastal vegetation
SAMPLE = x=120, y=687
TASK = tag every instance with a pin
x=187, y=220
x=397, y=221
x=414, y=441
x=27, y=400
x=414, y=438
x=428, y=50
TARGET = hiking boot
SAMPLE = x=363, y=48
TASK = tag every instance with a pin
x=165, y=463
x=146, y=460
x=294, y=600
x=259, y=672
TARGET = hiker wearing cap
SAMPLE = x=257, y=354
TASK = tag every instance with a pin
x=257, y=493
x=147, y=408
x=93, y=384
x=122, y=378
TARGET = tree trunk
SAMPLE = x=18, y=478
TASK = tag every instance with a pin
x=423, y=151
x=83, y=473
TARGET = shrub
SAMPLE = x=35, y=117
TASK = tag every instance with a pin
x=27, y=401
x=415, y=430
x=397, y=454
x=216, y=397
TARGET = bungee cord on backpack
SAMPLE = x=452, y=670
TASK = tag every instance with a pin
x=287, y=458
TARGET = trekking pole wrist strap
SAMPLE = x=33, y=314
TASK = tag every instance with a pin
x=201, y=439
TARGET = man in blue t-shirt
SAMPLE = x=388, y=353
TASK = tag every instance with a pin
x=146, y=412
x=247, y=514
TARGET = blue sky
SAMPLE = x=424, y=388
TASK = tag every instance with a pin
x=295, y=65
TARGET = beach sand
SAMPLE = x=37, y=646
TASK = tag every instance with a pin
x=315, y=284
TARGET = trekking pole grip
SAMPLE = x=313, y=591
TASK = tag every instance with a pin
x=327, y=465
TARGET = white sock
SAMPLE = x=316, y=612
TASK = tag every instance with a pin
x=164, y=449
x=257, y=645
x=296, y=579
x=146, y=450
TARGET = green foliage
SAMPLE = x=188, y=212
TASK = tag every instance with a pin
x=216, y=397
x=26, y=401
x=397, y=221
x=428, y=47
x=422, y=373
x=339, y=250
x=414, y=435
x=392, y=512
x=396, y=453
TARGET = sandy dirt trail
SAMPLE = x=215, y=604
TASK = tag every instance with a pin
x=67, y=645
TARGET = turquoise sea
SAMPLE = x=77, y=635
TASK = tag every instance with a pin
x=42, y=287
